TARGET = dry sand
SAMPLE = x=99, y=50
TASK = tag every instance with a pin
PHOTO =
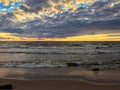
x=56, y=85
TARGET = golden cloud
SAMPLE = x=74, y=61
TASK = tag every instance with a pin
x=22, y=16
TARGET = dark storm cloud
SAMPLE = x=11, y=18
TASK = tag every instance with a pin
x=34, y=5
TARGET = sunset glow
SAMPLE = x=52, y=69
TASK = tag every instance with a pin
x=96, y=37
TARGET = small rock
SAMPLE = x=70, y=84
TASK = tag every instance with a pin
x=97, y=48
x=72, y=64
x=6, y=87
x=95, y=69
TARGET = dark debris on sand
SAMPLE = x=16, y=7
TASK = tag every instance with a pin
x=6, y=87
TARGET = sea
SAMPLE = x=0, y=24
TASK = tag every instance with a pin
x=90, y=61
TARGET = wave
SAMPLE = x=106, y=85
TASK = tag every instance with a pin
x=57, y=64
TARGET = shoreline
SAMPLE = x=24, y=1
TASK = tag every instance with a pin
x=99, y=83
x=75, y=74
x=55, y=85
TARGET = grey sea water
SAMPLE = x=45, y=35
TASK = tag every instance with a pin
x=76, y=60
x=58, y=54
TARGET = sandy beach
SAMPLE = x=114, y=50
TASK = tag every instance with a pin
x=55, y=85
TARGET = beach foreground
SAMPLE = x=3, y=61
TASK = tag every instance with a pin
x=55, y=85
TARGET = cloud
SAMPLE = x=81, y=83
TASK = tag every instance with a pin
x=61, y=18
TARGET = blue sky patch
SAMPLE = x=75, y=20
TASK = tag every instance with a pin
x=10, y=7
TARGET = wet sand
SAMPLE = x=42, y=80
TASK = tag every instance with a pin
x=56, y=85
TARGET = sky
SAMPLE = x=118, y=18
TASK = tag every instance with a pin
x=59, y=20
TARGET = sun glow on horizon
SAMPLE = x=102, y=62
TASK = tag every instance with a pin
x=96, y=37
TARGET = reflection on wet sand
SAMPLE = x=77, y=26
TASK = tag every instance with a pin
x=61, y=73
